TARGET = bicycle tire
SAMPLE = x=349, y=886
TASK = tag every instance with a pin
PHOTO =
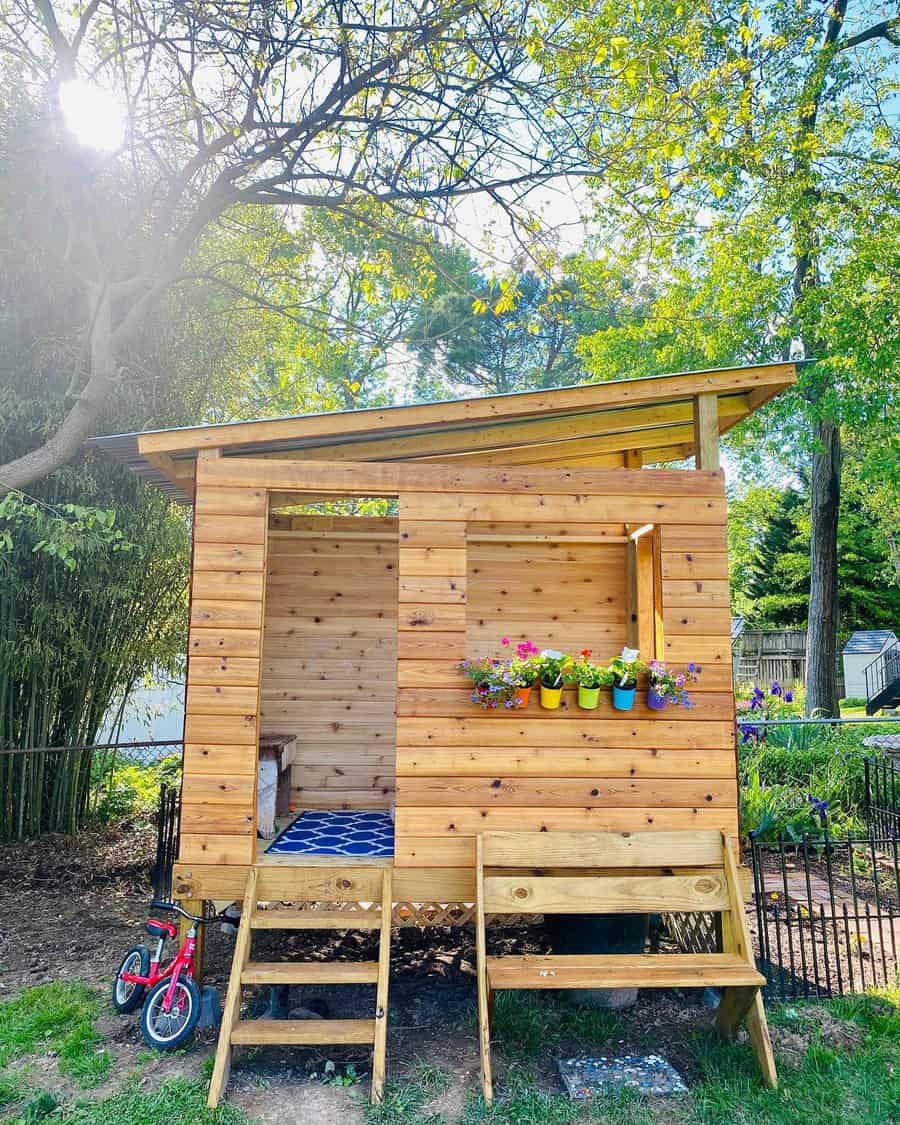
x=173, y=1035
x=123, y=1000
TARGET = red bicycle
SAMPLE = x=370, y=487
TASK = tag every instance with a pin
x=169, y=993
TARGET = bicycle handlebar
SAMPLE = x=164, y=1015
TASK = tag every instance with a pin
x=158, y=904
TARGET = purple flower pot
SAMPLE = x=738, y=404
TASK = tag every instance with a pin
x=655, y=701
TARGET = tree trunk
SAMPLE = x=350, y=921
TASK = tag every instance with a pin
x=821, y=639
x=80, y=421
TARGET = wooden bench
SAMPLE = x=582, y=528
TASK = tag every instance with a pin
x=619, y=873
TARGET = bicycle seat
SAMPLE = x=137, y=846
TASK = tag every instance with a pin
x=161, y=929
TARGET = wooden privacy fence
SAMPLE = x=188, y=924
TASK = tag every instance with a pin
x=764, y=655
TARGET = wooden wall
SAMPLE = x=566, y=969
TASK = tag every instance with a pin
x=465, y=576
x=567, y=595
x=459, y=770
x=218, y=810
x=330, y=656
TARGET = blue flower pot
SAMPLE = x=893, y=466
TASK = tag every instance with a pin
x=623, y=698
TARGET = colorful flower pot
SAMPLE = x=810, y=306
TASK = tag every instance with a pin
x=550, y=697
x=522, y=696
x=588, y=698
x=623, y=698
x=655, y=701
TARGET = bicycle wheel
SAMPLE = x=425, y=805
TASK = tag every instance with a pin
x=167, y=1030
x=127, y=995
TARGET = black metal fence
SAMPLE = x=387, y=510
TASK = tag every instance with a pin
x=168, y=816
x=882, y=802
x=827, y=915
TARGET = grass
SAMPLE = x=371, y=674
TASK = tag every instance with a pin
x=831, y=1085
x=530, y=1024
x=405, y=1101
x=56, y=1018
x=178, y=1100
x=834, y=1079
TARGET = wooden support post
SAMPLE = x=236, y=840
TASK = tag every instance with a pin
x=195, y=906
x=485, y=1004
x=381, y=997
x=632, y=624
x=706, y=431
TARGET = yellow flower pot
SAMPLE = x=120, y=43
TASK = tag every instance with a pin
x=550, y=697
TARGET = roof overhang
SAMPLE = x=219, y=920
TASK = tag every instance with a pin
x=591, y=425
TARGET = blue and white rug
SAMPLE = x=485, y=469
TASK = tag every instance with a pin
x=350, y=833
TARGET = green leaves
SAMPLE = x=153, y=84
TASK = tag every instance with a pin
x=63, y=532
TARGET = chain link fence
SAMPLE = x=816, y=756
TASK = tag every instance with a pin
x=78, y=785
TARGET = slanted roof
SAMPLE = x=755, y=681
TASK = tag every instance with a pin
x=593, y=424
x=869, y=642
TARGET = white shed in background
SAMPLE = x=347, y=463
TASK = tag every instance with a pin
x=863, y=647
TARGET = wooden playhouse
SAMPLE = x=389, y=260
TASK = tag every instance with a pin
x=527, y=515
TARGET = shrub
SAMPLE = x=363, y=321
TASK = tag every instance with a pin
x=805, y=778
x=129, y=789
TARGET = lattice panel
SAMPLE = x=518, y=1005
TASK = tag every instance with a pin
x=695, y=933
x=421, y=913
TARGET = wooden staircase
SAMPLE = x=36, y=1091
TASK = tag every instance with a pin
x=883, y=681
x=236, y=1031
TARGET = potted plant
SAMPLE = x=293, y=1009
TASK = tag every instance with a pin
x=667, y=686
x=495, y=685
x=552, y=669
x=623, y=672
x=590, y=678
x=524, y=668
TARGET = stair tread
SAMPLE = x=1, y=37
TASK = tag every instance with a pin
x=303, y=1032
x=310, y=972
x=316, y=920
x=622, y=970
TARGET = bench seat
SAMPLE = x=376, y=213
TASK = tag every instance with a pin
x=622, y=970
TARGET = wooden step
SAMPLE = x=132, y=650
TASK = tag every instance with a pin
x=310, y=972
x=618, y=970
x=316, y=920
x=302, y=1032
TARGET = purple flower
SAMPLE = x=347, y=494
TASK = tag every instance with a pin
x=788, y=697
x=775, y=689
x=692, y=668
x=818, y=807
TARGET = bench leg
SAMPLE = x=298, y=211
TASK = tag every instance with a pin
x=758, y=1030
x=734, y=1005
x=485, y=1007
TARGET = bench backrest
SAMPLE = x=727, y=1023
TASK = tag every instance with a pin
x=610, y=888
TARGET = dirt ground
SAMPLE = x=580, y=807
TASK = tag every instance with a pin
x=70, y=908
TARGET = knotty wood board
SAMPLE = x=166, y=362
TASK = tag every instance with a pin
x=348, y=611
x=460, y=771
x=329, y=599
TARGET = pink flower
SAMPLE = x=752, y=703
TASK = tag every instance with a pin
x=504, y=640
